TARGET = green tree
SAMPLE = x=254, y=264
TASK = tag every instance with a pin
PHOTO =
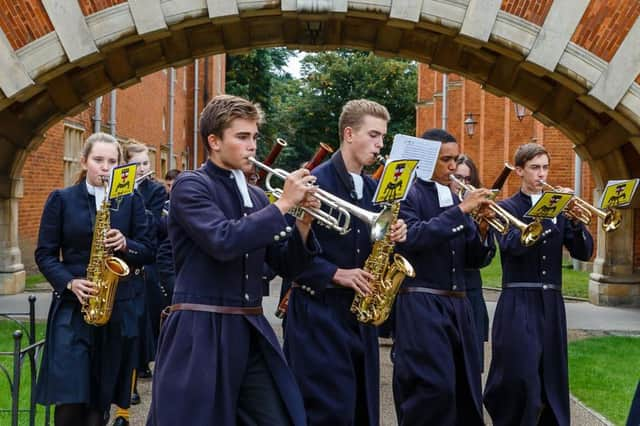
x=309, y=108
x=253, y=76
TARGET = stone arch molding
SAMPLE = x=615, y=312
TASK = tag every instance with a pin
x=595, y=102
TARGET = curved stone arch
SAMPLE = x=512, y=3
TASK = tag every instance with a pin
x=595, y=102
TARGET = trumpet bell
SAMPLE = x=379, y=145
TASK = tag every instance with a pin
x=531, y=233
x=611, y=221
x=380, y=223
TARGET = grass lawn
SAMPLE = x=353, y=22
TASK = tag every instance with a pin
x=574, y=283
x=604, y=372
x=33, y=279
x=6, y=345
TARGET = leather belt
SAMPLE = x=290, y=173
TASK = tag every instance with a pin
x=234, y=310
x=542, y=286
x=436, y=291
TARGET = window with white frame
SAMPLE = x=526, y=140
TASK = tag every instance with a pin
x=72, y=152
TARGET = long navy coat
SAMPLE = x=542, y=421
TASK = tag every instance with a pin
x=334, y=357
x=529, y=335
x=84, y=363
x=219, y=249
x=150, y=299
x=436, y=376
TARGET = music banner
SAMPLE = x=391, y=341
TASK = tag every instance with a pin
x=122, y=181
x=618, y=193
x=395, y=181
x=549, y=205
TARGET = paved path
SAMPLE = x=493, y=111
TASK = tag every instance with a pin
x=580, y=316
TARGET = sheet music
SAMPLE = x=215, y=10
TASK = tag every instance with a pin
x=410, y=147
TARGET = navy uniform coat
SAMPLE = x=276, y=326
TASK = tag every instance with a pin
x=84, y=363
x=436, y=376
x=164, y=258
x=150, y=299
x=473, y=284
x=219, y=249
x=529, y=335
x=333, y=356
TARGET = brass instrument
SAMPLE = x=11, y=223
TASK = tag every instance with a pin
x=144, y=176
x=378, y=222
x=387, y=278
x=104, y=270
x=529, y=233
x=259, y=175
x=611, y=218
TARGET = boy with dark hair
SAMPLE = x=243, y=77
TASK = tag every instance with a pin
x=218, y=360
x=528, y=378
x=436, y=375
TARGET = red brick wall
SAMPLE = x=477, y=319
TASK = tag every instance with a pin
x=92, y=6
x=141, y=111
x=23, y=21
x=490, y=136
x=604, y=25
x=532, y=10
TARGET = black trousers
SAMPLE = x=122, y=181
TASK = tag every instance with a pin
x=260, y=402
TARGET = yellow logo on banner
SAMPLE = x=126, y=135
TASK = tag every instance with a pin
x=549, y=205
x=618, y=193
x=123, y=180
x=395, y=181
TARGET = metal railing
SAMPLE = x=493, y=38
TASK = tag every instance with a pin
x=31, y=352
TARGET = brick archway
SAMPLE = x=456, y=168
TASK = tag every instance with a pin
x=55, y=56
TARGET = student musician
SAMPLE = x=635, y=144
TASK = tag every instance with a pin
x=86, y=368
x=436, y=375
x=335, y=358
x=528, y=378
x=218, y=359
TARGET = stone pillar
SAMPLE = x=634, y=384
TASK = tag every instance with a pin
x=12, y=273
x=613, y=281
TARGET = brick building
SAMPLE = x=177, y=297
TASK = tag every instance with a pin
x=498, y=132
x=575, y=64
x=143, y=112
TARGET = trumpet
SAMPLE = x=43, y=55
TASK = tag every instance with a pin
x=611, y=219
x=340, y=222
x=529, y=233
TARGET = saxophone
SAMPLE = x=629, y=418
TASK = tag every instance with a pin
x=387, y=278
x=104, y=270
